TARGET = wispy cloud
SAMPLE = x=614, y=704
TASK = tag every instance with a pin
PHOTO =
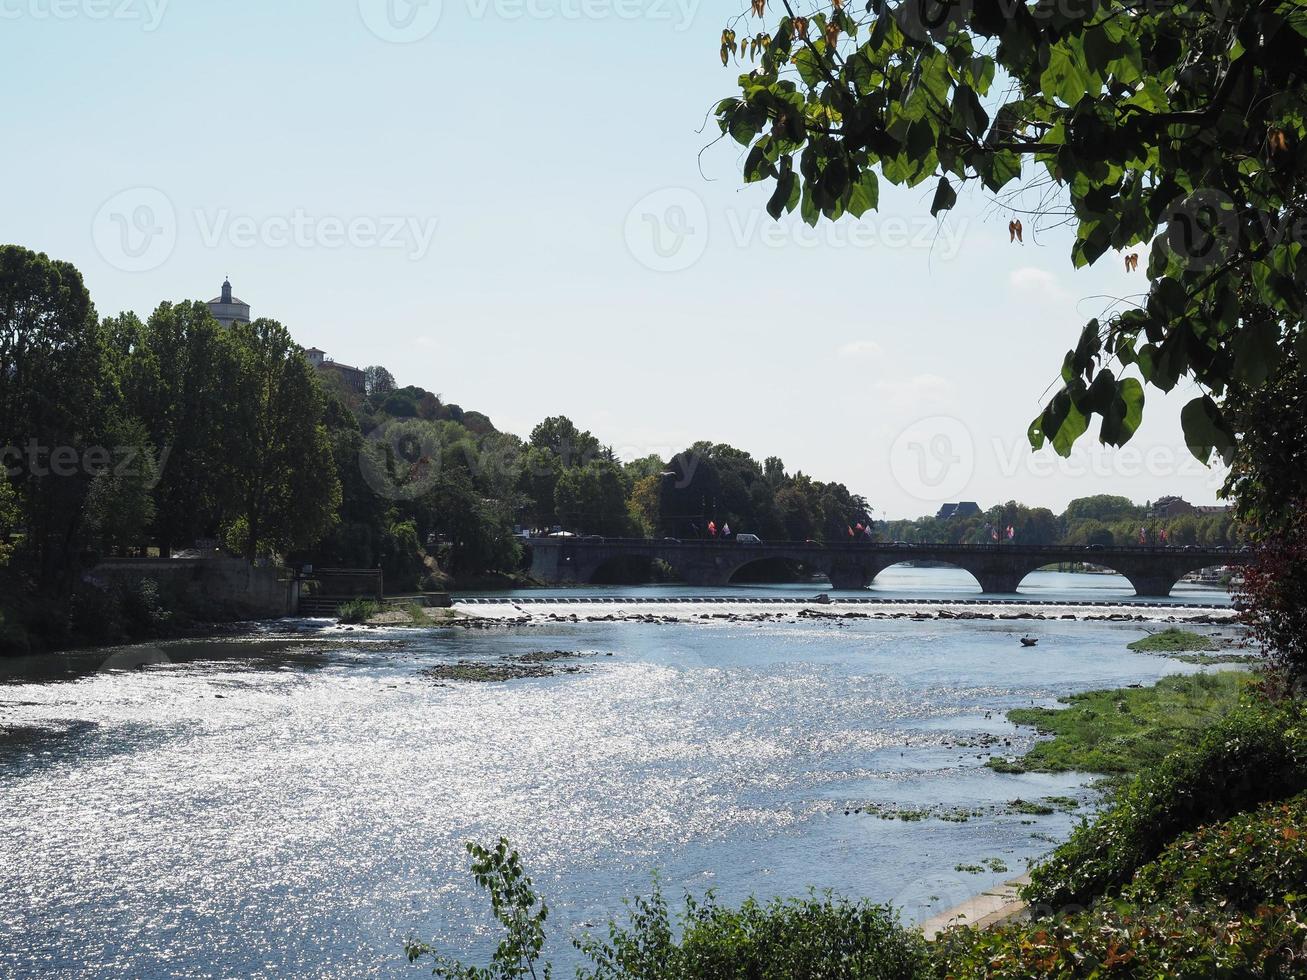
x=1036, y=282
x=861, y=348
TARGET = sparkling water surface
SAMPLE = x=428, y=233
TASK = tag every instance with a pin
x=281, y=805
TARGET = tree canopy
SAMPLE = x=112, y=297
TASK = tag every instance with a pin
x=1178, y=128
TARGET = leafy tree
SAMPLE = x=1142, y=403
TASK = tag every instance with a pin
x=796, y=516
x=592, y=498
x=176, y=373
x=1101, y=507
x=377, y=381
x=120, y=506
x=560, y=436
x=1185, y=117
x=285, y=492
x=538, y=482
x=53, y=402
x=10, y=515
x=643, y=505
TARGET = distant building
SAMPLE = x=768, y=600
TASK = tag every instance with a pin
x=1177, y=506
x=227, y=309
x=353, y=377
x=1170, y=507
x=967, y=508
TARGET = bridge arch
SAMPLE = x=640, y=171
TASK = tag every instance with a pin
x=781, y=568
x=974, y=586
x=623, y=569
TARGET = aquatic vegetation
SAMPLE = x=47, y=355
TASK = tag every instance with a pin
x=1174, y=640
x=1127, y=730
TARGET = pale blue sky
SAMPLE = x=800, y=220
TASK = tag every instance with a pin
x=476, y=210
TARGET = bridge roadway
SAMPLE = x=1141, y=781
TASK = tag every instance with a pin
x=999, y=568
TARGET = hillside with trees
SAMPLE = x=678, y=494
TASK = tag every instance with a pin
x=140, y=437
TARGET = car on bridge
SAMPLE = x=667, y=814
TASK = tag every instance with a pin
x=747, y=538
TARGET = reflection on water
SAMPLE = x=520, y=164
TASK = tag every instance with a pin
x=272, y=808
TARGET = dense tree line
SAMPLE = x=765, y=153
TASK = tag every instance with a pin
x=125, y=436
x=1102, y=519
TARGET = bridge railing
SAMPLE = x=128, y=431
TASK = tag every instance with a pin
x=591, y=540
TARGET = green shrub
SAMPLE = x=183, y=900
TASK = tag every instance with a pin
x=1184, y=942
x=142, y=608
x=357, y=611
x=1254, y=859
x=818, y=938
x=1255, y=754
x=95, y=614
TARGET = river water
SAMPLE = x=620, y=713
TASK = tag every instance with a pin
x=294, y=801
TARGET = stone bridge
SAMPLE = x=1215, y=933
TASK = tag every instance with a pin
x=999, y=568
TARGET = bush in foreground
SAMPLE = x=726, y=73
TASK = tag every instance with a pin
x=1257, y=753
x=1220, y=901
x=817, y=938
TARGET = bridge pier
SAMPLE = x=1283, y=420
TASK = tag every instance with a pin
x=1152, y=584
x=848, y=577
x=1002, y=582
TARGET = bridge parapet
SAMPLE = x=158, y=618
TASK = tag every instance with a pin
x=999, y=568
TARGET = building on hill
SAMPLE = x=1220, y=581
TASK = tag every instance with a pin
x=1170, y=506
x=967, y=508
x=227, y=309
x=353, y=377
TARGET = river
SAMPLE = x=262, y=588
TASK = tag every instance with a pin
x=294, y=800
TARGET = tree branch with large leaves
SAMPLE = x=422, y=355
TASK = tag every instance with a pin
x=1179, y=126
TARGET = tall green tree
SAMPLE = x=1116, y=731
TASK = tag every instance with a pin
x=55, y=395
x=1174, y=129
x=285, y=493
x=177, y=375
x=593, y=498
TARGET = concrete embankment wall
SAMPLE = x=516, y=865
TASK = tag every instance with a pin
x=219, y=586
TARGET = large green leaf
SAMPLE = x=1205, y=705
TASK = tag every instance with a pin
x=1206, y=430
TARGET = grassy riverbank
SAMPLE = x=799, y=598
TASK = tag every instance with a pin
x=1124, y=730
x=1174, y=640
